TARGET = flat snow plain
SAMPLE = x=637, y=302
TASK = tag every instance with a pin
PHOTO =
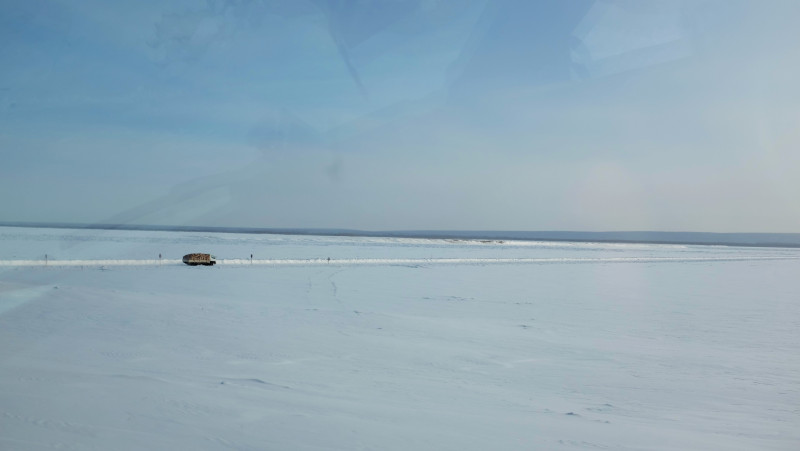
x=396, y=344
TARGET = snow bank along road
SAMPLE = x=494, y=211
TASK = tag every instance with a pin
x=392, y=261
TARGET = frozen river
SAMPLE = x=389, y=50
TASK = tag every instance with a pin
x=394, y=344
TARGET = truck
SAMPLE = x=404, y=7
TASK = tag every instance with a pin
x=199, y=259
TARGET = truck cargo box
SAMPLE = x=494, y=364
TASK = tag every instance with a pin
x=199, y=259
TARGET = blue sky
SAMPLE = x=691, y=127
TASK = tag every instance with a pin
x=403, y=114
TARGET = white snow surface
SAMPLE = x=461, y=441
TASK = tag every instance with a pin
x=395, y=344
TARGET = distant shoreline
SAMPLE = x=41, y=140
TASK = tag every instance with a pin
x=787, y=240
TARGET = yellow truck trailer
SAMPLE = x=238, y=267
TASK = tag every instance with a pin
x=199, y=259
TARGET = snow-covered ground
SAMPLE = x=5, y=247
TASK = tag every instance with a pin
x=395, y=344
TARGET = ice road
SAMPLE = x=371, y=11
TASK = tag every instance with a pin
x=394, y=344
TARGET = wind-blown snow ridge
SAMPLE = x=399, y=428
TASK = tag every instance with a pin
x=482, y=261
x=392, y=261
x=140, y=262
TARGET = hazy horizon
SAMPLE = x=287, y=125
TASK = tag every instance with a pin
x=787, y=240
x=100, y=225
